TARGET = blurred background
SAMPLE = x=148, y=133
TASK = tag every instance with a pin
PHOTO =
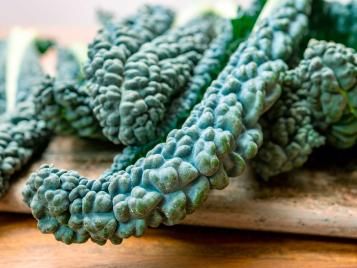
x=75, y=20
x=80, y=13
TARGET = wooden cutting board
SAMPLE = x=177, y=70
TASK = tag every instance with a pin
x=319, y=199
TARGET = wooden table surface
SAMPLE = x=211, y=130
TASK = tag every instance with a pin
x=22, y=245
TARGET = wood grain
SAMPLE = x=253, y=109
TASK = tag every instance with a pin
x=319, y=200
x=21, y=245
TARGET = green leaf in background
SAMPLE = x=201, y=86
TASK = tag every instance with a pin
x=44, y=44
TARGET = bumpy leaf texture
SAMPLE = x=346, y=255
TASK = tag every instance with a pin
x=108, y=54
x=229, y=35
x=175, y=177
x=212, y=62
x=22, y=133
x=152, y=77
x=22, y=136
x=64, y=102
x=54, y=104
x=318, y=104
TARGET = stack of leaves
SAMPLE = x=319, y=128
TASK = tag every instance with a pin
x=221, y=133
